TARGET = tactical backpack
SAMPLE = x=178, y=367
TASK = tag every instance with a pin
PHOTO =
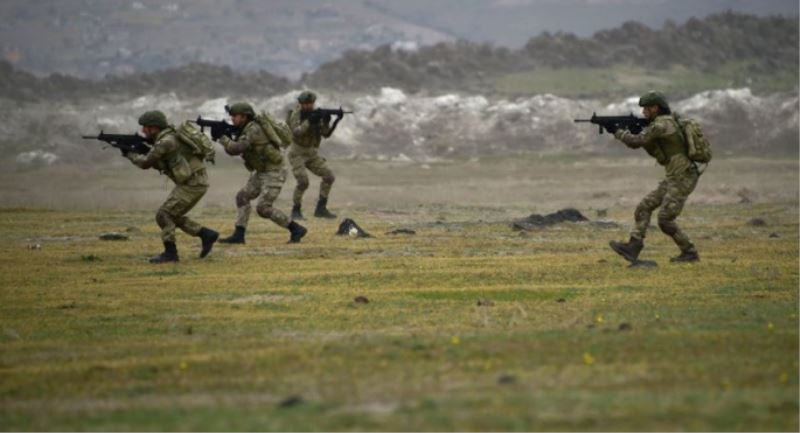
x=277, y=132
x=199, y=144
x=698, y=148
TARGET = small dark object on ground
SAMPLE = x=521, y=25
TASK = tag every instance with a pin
x=361, y=300
x=536, y=221
x=68, y=306
x=561, y=300
x=401, y=232
x=602, y=261
x=506, y=379
x=113, y=236
x=348, y=227
x=90, y=258
x=291, y=401
x=189, y=330
x=774, y=235
x=625, y=327
x=643, y=264
x=485, y=303
x=601, y=213
x=757, y=222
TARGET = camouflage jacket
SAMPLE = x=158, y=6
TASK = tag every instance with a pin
x=258, y=153
x=663, y=140
x=170, y=156
x=305, y=134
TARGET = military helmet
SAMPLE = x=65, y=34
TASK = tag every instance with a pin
x=306, y=97
x=653, y=98
x=242, y=108
x=153, y=118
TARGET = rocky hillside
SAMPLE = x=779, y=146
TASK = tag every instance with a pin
x=750, y=44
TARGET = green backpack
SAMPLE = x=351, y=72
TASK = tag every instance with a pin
x=277, y=132
x=199, y=144
x=698, y=148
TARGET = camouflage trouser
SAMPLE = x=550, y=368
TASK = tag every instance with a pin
x=266, y=186
x=180, y=201
x=305, y=158
x=670, y=195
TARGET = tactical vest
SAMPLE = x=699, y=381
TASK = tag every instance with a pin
x=312, y=137
x=668, y=145
x=257, y=155
x=180, y=163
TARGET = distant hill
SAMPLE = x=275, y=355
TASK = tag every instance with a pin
x=720, y=51
x=733, y=47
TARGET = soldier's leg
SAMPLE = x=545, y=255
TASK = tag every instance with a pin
x=319, y=166
x=243, y=198
x=678, y=191
x=630, y=250
x=185, y=198
x=248, y=193
x=166, y=221
x=271, y=184
x=645, y=209
x=298, y=163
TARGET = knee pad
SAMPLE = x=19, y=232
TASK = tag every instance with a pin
x=264, y=211
x=668, y=227
x=302, y=184
x=241, y=199
x=329, y=179
x=162, y=218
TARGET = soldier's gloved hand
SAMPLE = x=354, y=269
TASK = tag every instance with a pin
x=216, y=134
x=327, y=118
x=611, y=128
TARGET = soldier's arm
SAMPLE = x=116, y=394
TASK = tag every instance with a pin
x=298, y=127
x=155, y=155
x=236, y=147
x=648, y=134
x=326, y=130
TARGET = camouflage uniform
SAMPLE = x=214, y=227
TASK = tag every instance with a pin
x=188, y=172
x=664, y=141
x=304, y=154
x=265, y=160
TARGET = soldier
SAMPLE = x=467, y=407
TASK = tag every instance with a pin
x=663, y=139
x=264, y=159
x=308, y=131
x=173, y=158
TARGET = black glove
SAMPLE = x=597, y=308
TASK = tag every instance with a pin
x=327, y=118
x=635, y=129
x=611, y=128
x=216, y=134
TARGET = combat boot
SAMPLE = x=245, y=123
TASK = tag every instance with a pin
x=297, y=232
x=236, y=238
x=686, y=257
x=297, y=214
x=322, y=209
x=170, y=254
x=208, y=237
x=630, y=250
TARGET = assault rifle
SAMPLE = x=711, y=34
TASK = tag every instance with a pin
x=218, y=127
x=125, y=143
x=613, y=123
x=324, y=113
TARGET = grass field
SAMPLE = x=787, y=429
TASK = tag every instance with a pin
x=469, y=325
